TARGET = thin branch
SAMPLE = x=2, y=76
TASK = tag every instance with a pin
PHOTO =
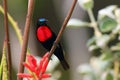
x=94, y=23
x=25, y=37
x=7, y=39
x=14, y=26
x=116, y=68
x=63, y=28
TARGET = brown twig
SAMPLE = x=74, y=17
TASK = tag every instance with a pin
x=7, y=39
x=25, y=37
x=62, y=28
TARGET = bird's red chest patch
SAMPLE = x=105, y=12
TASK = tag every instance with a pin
x=43, y=33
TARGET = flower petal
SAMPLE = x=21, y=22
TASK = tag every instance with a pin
x=44, y=65
x=23, y=75
x=46, y=75
x=32, y=61
x=29, y=67
x=40, y=66
x=46, y=55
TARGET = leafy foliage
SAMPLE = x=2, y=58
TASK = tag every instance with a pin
x=104, y=42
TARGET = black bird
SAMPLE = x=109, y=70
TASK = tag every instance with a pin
x=47, y=37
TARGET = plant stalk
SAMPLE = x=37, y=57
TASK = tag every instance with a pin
x=116, y=68
x=62, y=28
x=15, y=27
x=25, y=37
x=7, y=40
x=93, y=23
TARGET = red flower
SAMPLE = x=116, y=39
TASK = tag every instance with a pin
x=37, y=71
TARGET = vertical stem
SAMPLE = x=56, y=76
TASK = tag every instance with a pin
x=14, y=26
x=63, y=27
x=7, y=39
x=90, y=13
x=116, y=68
x=25, y=37
x=94, y=23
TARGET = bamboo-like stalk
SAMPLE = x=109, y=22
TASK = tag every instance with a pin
x=63, y=27
x=15, y=27
x=25, y=37
x=26, y=32
x=94, y=23
x=116, y=68
x=7, y=40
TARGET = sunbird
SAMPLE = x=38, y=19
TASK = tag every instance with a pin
x=47, y=37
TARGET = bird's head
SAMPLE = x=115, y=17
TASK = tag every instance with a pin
x=41, y=21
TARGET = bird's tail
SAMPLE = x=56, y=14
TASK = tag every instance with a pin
x=64, y=64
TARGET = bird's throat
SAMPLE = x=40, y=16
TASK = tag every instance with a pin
x=43, y=33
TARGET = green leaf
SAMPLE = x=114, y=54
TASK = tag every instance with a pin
x=92, y=44
x=117, y=13
x=86, y=4
x=75, y=23
x=107, y=24
x=107, y=11
x=91, y=41
x=85, y=69
x=107, y=55
x=117, y=53
x=1, y=69
x=100, y=65
x=117, y=29
x=4, y=62
x=109, y=76
x=93, y=47
x=102, y=41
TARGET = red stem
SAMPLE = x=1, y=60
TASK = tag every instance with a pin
x=7, y=40
x=25, y=37
x=62, y=28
